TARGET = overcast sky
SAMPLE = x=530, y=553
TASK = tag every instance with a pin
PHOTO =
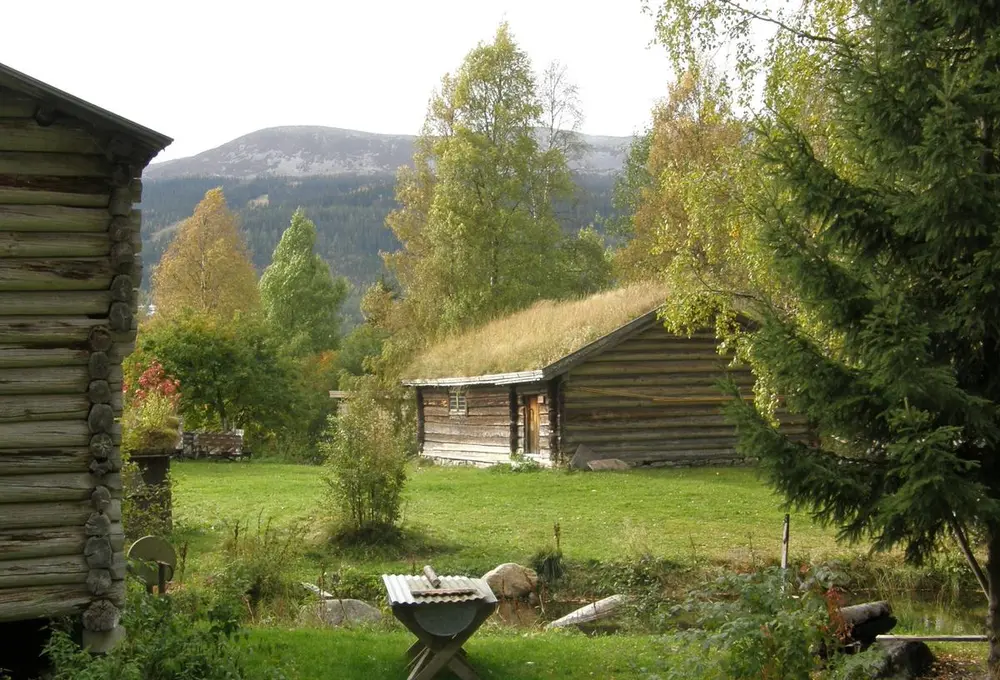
x=208, y=71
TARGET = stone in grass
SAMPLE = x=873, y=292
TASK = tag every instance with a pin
x=511, y=581
x=337, y=613
x=584, y=454
x=904, y=659
x=608, y=464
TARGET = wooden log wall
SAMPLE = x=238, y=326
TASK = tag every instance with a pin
x=69, y=241
x=653, y=400
x=479, y=437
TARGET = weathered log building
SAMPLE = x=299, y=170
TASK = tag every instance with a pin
x=69, y=243
x=635, y=392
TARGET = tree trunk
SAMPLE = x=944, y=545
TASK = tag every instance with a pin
x=993, y=617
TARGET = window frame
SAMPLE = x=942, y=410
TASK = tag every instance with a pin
x=458, y=403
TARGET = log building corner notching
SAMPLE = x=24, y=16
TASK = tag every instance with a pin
x=637, y=393
x=70, y=177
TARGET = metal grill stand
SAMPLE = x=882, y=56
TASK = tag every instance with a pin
x=443, y=613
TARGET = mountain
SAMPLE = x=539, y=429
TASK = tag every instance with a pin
x=345, y=182
x=309, y=151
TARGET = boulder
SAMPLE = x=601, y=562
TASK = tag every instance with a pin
x=904, y=659
x=608, y=464
x=335, y=613
x=511, y=581
x=582, y=457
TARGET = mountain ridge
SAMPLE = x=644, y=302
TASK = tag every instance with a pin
x=314, y=150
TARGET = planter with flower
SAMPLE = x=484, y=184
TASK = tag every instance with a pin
x=150, y=435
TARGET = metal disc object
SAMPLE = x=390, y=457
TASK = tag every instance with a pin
x=445, y=619
x=147, y=554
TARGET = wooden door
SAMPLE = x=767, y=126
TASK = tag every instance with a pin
x=532, y=421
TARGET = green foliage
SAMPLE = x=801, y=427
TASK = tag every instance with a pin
x=301, y=298
x=895, y=280
x=349, y=212
x=234, y=374
x=149, y=413
x=169, y=638
x=146, y=509
x=366, y=470
x=150, y=424
x=548, y=564
x=362, y=343
x=260, y=565
x=477, y=221
x=748, y=627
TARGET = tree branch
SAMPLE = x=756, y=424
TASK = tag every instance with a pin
x=963, y=543
x=782, y=25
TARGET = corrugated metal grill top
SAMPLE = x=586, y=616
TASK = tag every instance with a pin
x=401, y=587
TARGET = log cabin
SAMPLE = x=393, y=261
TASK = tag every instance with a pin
x=70, y=178
x=601, y=373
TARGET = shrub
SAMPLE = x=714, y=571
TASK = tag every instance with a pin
x=757, y=626
x=145, y=508
x=169, y=638
x=366, y=470
x=149, y=417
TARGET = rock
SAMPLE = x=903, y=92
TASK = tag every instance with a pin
x=583, y=455
x=339, y=613
x=608, y=464
x=511, y=581
x=904, y=659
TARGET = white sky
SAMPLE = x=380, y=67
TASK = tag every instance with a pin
x=206, y=72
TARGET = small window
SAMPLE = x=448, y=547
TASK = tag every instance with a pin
x=457, y=406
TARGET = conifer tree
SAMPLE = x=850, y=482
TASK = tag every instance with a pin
x=893, y=258
x=301, y=298
x=207, y=268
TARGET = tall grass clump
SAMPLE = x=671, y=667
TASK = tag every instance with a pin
x=259, y=567
x=366, y=472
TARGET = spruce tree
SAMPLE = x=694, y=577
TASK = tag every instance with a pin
x=894, y=260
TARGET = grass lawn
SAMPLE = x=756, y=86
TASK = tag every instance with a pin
x=323, y=654
x=469, y=516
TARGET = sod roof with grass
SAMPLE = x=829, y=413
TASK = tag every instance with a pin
x=538, y=341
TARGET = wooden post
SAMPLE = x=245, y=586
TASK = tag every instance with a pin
x=552, y=397
x=513, y=419
x=784, y=542
x=420, y=419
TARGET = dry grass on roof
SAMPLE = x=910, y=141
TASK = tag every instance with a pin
x=537, y=336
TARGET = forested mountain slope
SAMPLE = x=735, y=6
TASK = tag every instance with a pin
x=349, y=212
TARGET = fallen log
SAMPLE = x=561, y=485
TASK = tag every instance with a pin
x=602, y=609
x=863, y=623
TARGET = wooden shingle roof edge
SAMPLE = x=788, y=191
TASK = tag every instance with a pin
x=85, y=111
x=554, y=369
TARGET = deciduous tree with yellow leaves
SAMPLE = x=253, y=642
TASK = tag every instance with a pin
x=207, y=267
